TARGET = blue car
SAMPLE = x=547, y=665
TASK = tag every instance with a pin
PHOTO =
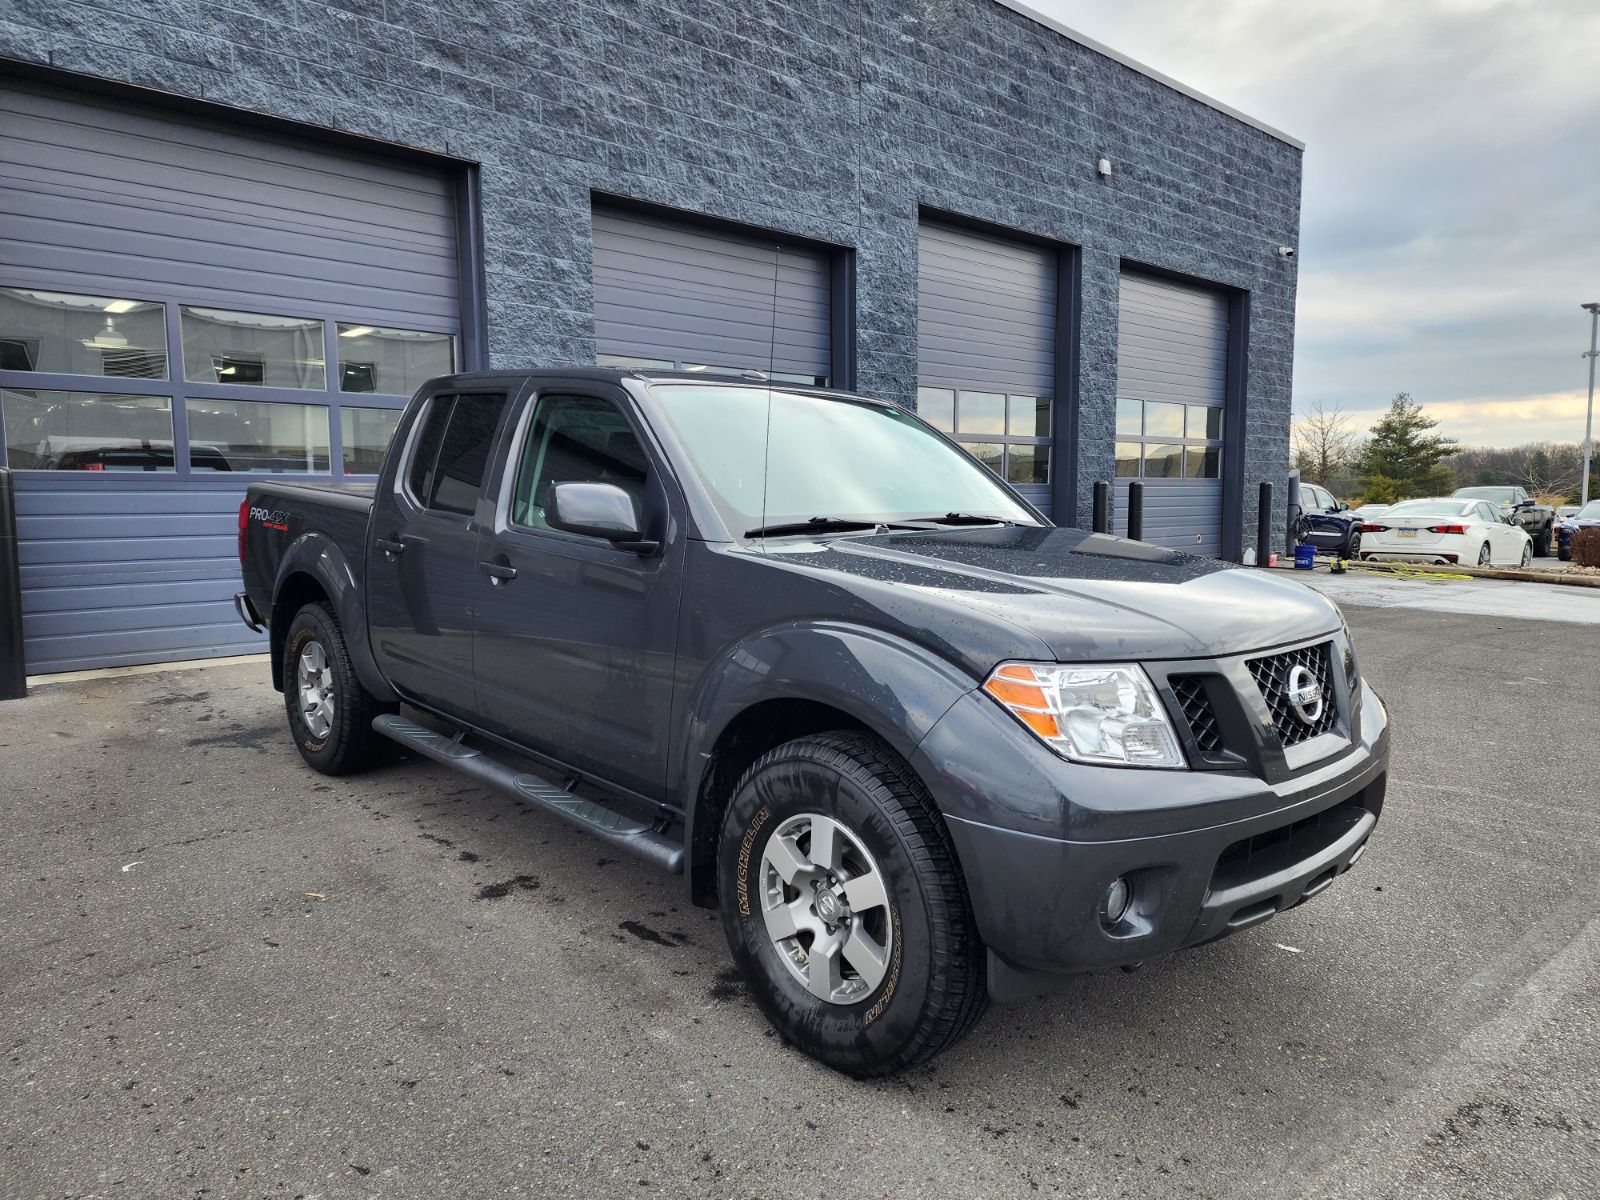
x=1586, y=517
x=1328, y=524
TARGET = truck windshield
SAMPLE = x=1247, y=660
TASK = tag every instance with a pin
x=815, y=456
x=1499, y=495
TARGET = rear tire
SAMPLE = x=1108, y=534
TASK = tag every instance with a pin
x=847, y=800
x=1484, y=558
x=330, y=713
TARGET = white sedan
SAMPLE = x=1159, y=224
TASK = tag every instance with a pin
x=1452, y=531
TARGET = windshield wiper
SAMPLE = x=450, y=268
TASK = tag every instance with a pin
x=963, y=518
x=813, y=525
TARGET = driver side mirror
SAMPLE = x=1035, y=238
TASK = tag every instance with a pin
x=601, y=510
x=1341, y=506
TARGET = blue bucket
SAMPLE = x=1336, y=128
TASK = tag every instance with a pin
x=1305, y=557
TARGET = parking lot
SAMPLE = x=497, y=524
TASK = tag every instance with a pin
x=223, y=975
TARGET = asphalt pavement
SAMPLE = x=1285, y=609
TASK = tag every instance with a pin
x=222, y=975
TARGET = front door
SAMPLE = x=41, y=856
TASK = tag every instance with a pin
x=575, y=638
x=422, y=562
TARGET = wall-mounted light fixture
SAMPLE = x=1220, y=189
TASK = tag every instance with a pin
x=1105, y=168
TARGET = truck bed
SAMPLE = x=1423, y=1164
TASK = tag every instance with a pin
x=277, y=514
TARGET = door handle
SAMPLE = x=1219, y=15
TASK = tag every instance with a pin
x=390, y=545
x=497, y=572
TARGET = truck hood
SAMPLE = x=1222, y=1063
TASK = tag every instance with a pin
x=1085, y=596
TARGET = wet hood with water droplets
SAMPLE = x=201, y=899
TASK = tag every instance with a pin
x=1085, y=596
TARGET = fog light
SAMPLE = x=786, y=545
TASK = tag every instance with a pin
x=1115, y=905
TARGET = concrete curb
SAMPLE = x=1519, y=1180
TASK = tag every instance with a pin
x=1561, y=578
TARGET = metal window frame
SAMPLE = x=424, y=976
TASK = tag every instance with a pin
x=1006, y=439
x=181, y=390
x=1185, y=443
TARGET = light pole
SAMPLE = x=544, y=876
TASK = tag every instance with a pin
x=1588, y=420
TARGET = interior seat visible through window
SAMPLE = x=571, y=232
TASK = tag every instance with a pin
x=576, y=439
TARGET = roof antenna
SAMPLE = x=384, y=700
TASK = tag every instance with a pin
x=772, y=358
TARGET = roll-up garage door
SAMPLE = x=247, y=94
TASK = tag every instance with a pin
x=187, y=304
x=669, y=294
x=1172, y=382
x=986, y=348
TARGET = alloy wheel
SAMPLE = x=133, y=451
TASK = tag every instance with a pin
x=314, y=680
x=1483, y=555
x=826, y=908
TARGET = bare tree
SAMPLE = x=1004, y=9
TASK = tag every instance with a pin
x=1324, y=442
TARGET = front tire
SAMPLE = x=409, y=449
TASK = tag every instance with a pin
x=1352, y=548
x=1527, y=555
x=330, y=713
x=845, y=908
x=1541, y=544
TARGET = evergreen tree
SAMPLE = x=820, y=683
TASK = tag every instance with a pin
x=1401, y=457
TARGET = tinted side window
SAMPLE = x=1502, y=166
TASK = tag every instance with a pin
x=428, y=440
x=576, y=439
x=452, y=452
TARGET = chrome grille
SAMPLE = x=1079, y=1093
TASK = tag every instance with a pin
x=1272, y=677
x=1197, y=711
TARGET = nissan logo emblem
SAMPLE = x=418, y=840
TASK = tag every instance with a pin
x=1305, y=695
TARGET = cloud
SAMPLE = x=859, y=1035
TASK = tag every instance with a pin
x=1495, y=420
x=1451, y=220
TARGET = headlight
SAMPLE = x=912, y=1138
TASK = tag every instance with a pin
x=1097, y=714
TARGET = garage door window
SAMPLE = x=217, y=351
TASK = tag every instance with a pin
x=395, y=362
x=248, y=435
x=1163, y=440
x=365, y=433
x=239, y=394
x=1009, y=434
x=254, y=348
x=84, y=431
x=63, y=334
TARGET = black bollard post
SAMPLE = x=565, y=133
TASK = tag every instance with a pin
x=1102, y=507
x=1136, y=511
x=13, y=673
x=1264, y=527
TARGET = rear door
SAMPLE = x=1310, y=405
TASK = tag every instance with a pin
x=422, y=561
x=575, y=638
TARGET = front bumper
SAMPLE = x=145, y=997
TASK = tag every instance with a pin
x=1205, y=853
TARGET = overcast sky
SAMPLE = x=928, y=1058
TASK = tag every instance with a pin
x=1451, y=220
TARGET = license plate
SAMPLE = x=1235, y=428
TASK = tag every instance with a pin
x=1406, y=533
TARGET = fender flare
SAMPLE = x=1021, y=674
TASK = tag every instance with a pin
x=894, y=687
x=318, y=556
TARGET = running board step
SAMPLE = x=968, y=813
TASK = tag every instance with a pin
x=621, y=831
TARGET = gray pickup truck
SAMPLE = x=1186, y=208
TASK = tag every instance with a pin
x=921, y=747
x=1518, y=508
